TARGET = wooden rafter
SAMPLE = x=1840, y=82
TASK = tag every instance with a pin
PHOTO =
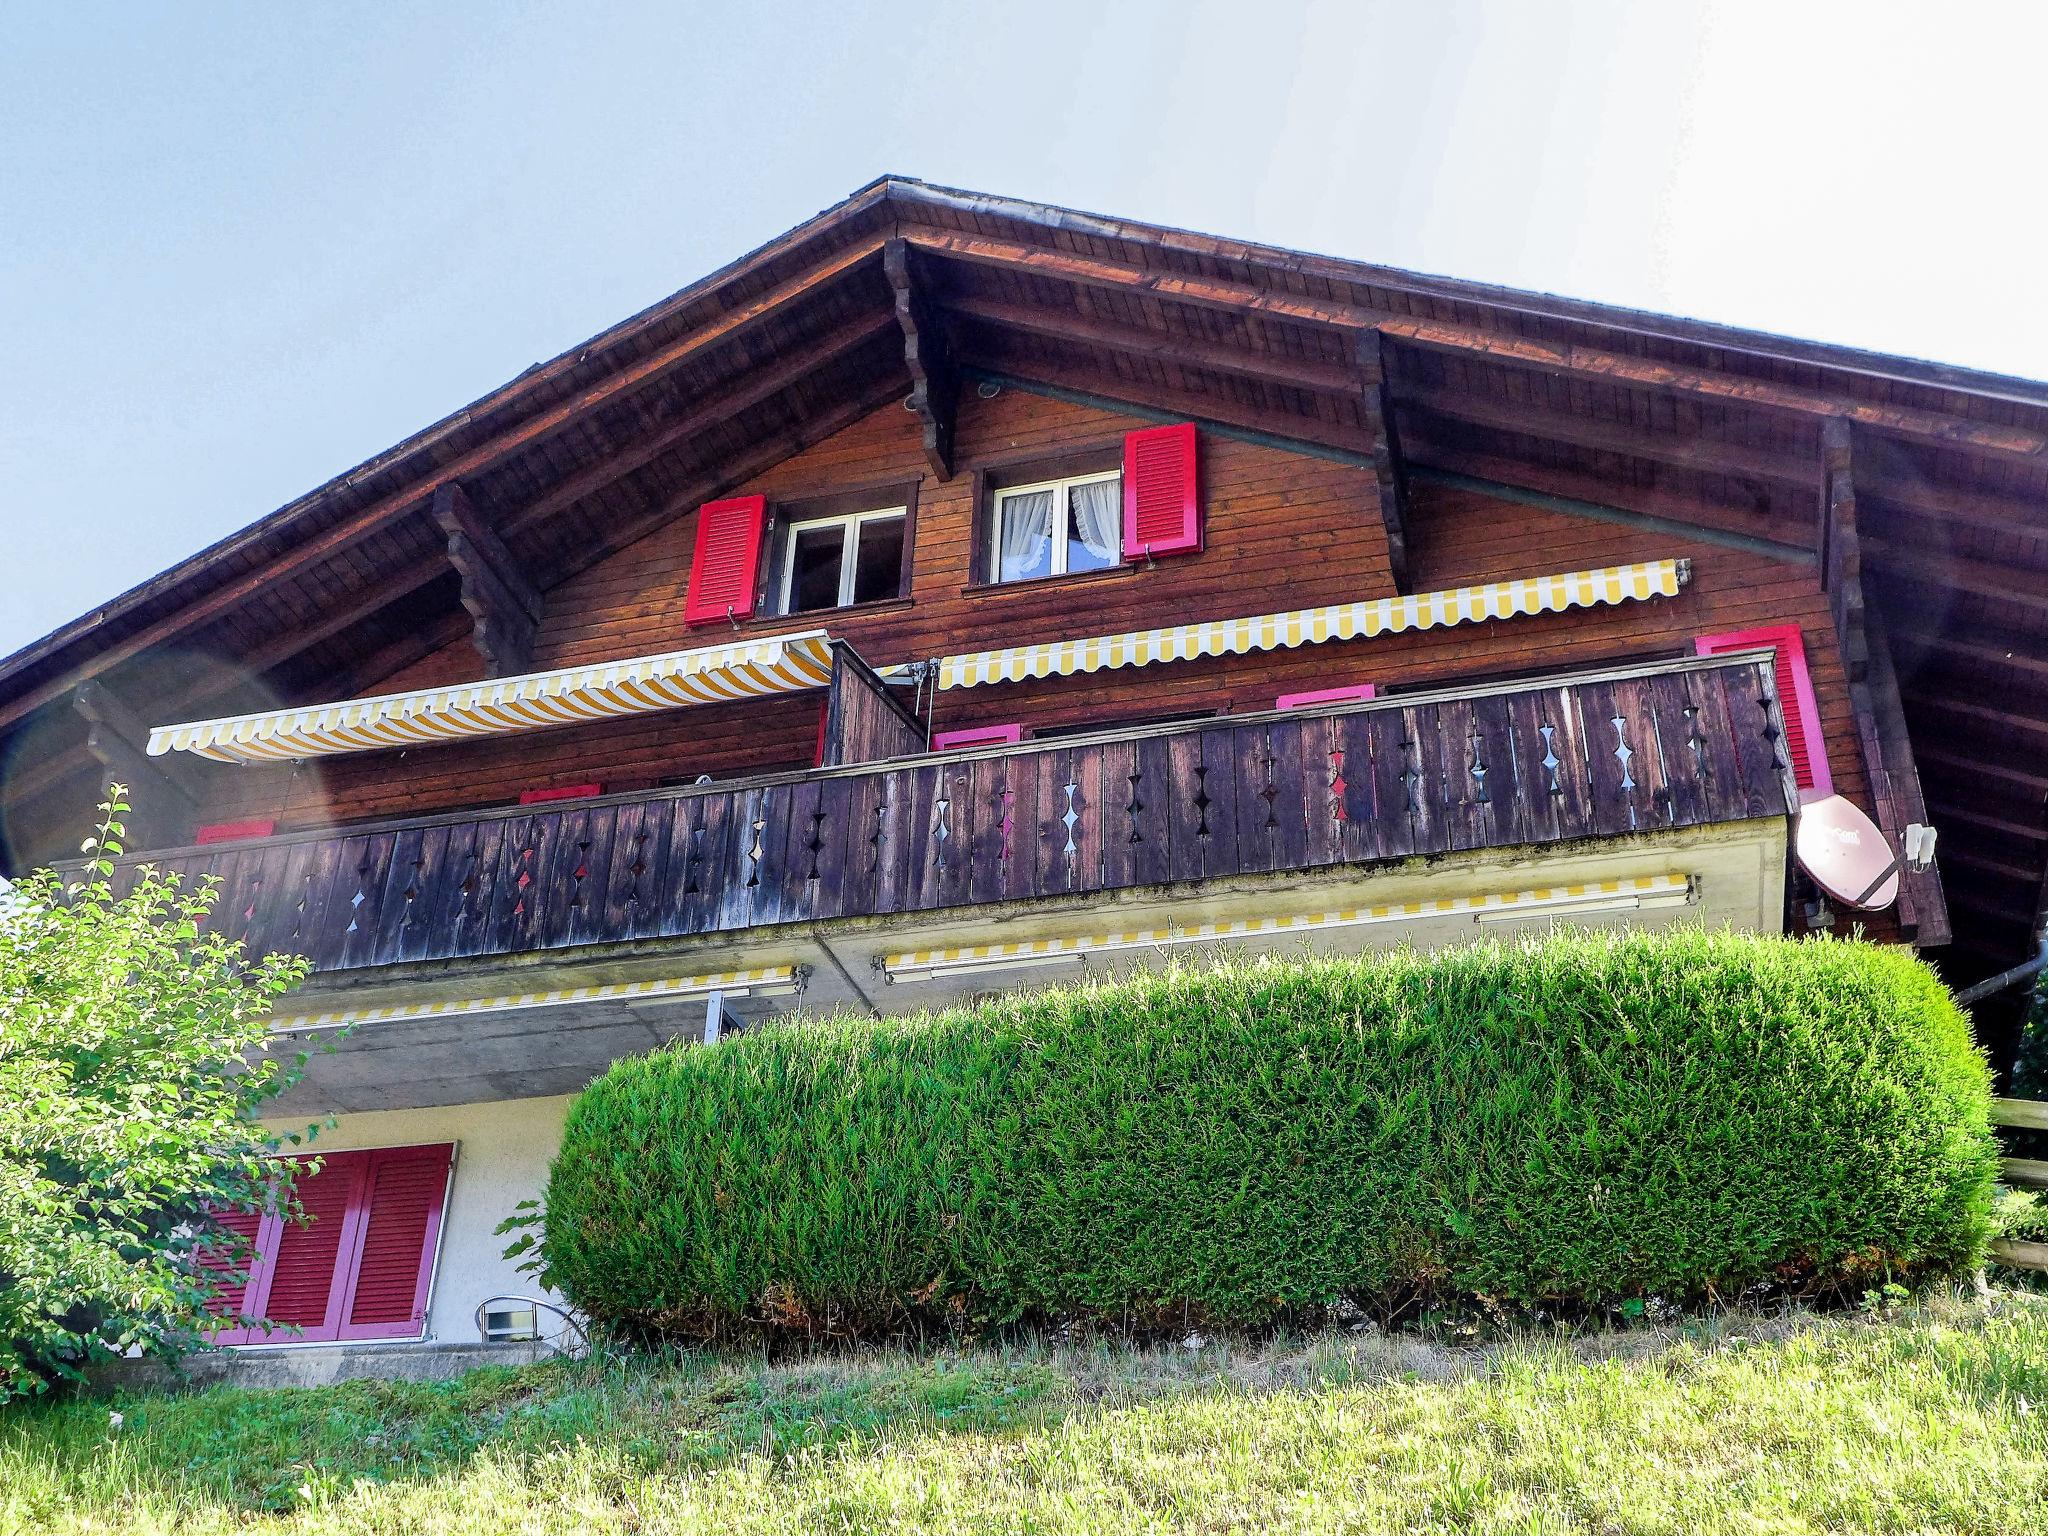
x=1841, y=557
x=1425, y=443
x=387, y=509
x=503, y=606
x=1143, y=341
x=1384, y=446
x=26, y=783
x=1591, y=363
x=840, y=342
x=1700, y=455
x=1886, y=748
x=928, y=353
x=735, y=469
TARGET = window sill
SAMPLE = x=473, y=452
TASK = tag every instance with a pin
x=1041, y=583
x=814, y=617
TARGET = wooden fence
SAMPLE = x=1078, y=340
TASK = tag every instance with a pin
x=2021, y=1173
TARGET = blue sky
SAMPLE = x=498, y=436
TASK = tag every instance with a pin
x=243, y=248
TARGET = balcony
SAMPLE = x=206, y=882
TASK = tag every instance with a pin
x=1652, y=749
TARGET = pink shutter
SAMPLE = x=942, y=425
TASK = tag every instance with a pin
x=303, y=1277
x=400, y=1205
x=563, y=792
x=727, y=557
x=1357, y=693
x=234, y=831
x=1162, y=507
x=1804, y=742
x=977, y=736
x=233, y=1298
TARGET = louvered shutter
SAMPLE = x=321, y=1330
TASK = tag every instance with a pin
x=1355, y=693
x=231, y=1297
x=401, y=1210
x=1804, y=742
x=304, y=1273
x=1162, y=507
x=727, y=557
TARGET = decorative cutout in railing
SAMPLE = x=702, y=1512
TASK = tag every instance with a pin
x=1360, y=783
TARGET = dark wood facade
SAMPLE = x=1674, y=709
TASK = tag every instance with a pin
x=1686, y=745
x=1363, y=432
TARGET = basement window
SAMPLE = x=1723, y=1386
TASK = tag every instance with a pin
x=834, y=562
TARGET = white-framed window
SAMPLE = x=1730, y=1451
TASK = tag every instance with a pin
x=829, y=562
x=1057, y=527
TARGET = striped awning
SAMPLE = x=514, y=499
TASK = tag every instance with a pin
x=742, y=669
x=1313, y=626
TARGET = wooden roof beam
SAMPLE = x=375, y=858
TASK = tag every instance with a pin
x=504, y=608
x=843, y=339
x=1142, y=341
x=387, y=509
x=736, y=469
x=1714, y=522
x=928, y=353
x=1699, y=455
x=26, y=783
x=2012, y=443
x=1384, y=446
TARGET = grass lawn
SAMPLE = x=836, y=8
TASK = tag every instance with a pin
x=1932, y=1418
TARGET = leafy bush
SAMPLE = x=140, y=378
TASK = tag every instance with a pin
x=1576, y=1121
x=130, y=1076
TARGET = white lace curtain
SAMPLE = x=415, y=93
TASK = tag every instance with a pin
x=1098, y=518
x=1026, y=536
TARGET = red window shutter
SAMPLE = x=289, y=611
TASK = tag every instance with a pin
x=565, y=792
x=1804, y=742
x=303, y=1275
x=234, y=831
x=977, y=736
x=1162, y=507
x=401, y=1220
x=231, y=1297
x=1356, y=693
x=727, y=557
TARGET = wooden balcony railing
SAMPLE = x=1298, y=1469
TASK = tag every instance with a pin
x=1674, y=745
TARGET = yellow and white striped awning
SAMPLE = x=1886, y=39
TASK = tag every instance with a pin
x=1313, y=626
x=741, y=669
x=768, y=981
x=1625, y=895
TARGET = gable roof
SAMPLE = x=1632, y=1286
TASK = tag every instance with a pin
x=903, y=282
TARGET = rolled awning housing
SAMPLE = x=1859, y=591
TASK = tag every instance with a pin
x=742, y=669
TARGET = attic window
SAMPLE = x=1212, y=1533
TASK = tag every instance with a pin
x=1057, y=528
x=834, y=562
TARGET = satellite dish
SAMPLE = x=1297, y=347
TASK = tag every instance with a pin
x=1846, y=854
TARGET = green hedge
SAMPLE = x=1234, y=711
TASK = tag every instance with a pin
x=1577, y=1121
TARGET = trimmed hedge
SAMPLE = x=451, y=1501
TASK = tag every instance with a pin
x=1578, y=1120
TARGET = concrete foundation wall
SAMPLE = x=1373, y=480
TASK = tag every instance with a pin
x=502, y=1151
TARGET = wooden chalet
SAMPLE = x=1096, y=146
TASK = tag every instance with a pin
x=958, y=593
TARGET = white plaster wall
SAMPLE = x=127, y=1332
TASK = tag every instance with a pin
x=502, y=1151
